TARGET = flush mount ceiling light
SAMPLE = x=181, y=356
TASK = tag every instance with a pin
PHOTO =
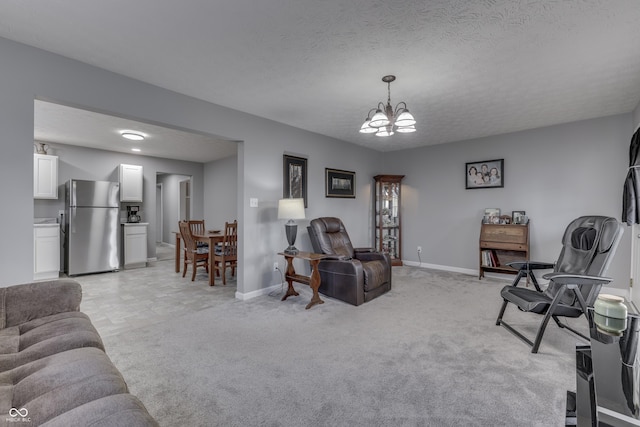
x=385, y=120
x=133, y=136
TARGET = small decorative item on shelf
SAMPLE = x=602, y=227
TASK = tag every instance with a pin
x=505, y=219
x=519, y=217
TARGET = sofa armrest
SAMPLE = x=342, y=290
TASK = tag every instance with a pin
x=22, y=303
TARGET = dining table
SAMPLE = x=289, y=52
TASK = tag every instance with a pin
x=211, y=237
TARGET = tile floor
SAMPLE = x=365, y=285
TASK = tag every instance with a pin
x=127, y=299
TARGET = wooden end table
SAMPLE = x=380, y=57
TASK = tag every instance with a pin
x=313, y=281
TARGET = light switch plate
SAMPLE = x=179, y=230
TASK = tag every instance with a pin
x=253, y=202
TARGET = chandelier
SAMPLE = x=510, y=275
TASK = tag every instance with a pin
x=385, y=120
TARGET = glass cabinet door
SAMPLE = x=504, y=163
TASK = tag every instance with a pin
x=387, y=222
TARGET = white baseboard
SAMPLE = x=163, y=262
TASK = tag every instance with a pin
x=258, y=293
x=506, y=277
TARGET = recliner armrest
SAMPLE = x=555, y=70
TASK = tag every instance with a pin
x=530, y=265
x=576, y=279
x=369, y=256
x=336, y=257
x=346, y=267
x=361, y=250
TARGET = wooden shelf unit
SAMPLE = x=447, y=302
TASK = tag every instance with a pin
x=504, y=243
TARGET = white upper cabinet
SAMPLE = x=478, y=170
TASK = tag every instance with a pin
x=130, y=183
x=45, y=176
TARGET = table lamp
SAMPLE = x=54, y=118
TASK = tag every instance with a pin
x=291, y=209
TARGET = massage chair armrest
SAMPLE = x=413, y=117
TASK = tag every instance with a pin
x=530, y=265
x=576, y=279
x=22, y=303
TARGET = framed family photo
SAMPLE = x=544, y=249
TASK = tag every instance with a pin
x=484, y=174
x=339, y=183
x=295, y=178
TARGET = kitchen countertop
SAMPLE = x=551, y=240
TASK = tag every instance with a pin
x=45, y=222
x=134, y=223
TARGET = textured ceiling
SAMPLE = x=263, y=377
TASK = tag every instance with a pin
x=465, y=68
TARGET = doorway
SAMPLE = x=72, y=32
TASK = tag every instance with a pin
x=159, y=214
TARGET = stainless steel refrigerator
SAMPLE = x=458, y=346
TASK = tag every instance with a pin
x=92, y=211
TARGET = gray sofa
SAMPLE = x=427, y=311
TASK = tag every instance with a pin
x=53, y=367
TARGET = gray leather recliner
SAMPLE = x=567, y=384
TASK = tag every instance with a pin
x=352, y=275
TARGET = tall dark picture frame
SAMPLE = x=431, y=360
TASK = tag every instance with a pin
x=339, y=183
x=294, y=182
x=484, y=174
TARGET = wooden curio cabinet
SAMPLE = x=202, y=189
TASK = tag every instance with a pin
x=388, y=227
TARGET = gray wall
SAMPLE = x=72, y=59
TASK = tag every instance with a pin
x=221, y=191
x=28, y=73
x=87, y=163
x=555, y=174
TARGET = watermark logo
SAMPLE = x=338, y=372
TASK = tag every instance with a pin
x=18, y=415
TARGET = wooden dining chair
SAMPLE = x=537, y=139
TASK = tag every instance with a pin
x=197, y=227
x=226, y=253
x=197, y=257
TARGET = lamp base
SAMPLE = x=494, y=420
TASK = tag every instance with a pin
x=291, y=230
x=291, y=250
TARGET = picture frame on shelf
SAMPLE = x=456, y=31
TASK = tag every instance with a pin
x=519, y=217
x=484, y=174
x=294, y=183
x=491, y=216
x=340, y=183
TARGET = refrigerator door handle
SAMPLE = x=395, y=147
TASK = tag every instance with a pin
x=72, y=220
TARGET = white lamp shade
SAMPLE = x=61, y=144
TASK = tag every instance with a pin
x=406, y=129
x=385, y=131
x=365, y=128
x=405, y=119
x=291, y=209
x=379, y=119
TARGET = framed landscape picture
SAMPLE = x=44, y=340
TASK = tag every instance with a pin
x=339, y=183
x=295, y=178
x=484, y=174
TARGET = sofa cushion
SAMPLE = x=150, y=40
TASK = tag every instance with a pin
x=46, y=336
x=119, y=410
x=58, y=383
x=374, y=274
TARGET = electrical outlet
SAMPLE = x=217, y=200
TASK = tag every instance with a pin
x=60, y=213
x=419, y=249
x=275, y=266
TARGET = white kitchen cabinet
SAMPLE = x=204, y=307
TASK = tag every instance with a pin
x=45, y=176
x=134, y=242
x=130, y=183
x=46, y=251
